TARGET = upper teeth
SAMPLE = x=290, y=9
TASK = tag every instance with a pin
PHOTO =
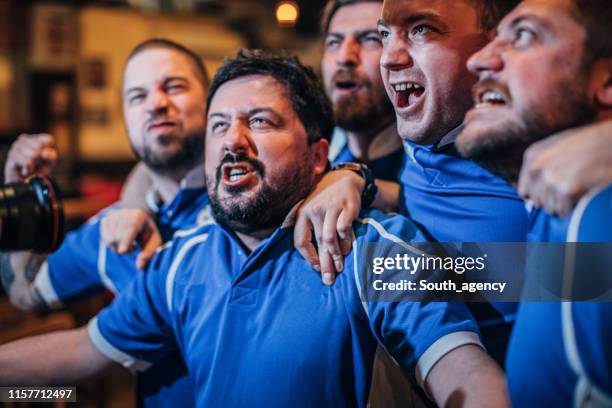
x=406, y=86
x=492, y=96
x=236, y=173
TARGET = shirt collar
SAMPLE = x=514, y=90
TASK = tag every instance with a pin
x=195, y=178
x=291, y=217
x=448, y=139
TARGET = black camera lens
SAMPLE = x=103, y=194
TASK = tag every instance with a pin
x=31, y=216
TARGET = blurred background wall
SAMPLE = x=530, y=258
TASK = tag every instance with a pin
x=61, y=64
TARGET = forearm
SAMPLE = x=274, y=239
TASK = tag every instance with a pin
x=387, y=196
x=17, y=273
x=59, y=358
x=467, y=377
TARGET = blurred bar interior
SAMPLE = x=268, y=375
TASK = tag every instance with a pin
x=61, y=64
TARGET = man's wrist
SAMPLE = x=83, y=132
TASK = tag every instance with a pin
x=369, y=190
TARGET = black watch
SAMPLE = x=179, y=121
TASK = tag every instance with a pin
x=370, y=189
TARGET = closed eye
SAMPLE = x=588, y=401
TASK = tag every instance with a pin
x=136, y=98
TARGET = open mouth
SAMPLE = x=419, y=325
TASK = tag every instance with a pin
x=347, y=86
x=489, y=98
x=237, y=174
x=160, y=125
x=407, y=93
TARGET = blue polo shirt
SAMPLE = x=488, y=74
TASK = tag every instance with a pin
x=457, y=201
x=560, y=353
x=84, y=265
x=260, y=329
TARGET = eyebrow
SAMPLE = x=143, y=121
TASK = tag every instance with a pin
x=164, y=80
x=357, y=33
x=534, y=19
x=411, y=19
x=250, y=112
x=219, y=114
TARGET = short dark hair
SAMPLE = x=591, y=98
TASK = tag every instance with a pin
x=198, y=64
x=303, y=88
x=596, y=17
x=491, y=12
x=334, y=5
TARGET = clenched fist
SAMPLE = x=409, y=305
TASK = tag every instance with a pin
x=30, y=155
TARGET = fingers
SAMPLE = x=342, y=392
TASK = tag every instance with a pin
x=302, y=239
x=149, y=248
x=345, y=227
x=327, y=267
x=330, y=239
x=127, y=233
x=30, y=155
x=120, y=229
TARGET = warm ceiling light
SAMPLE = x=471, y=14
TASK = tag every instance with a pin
x=287, y=12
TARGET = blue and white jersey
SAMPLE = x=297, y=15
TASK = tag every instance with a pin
x=560, y=353
x=260, y=329
x=457, y=201
x=84, y=265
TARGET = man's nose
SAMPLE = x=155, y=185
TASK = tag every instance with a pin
x=395, y=54
x=237, y=139
x=348, y=54
x=488, y=60
x=158, y=101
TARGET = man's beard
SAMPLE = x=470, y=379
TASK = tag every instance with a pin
x=269, y=206
x=501, y=149
x=189, y=153
x=359, y=111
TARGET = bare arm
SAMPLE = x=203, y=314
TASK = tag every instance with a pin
x=467, y=377
x=59, y=358
x=328, y=213
x=17, y=273
x=136, y=186
x=387, y=197
x=29, y=155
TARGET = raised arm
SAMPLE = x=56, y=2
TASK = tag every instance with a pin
x=29, y=155
x=60, y=358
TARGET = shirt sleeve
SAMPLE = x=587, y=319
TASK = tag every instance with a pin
x=83, y=265
x=416, y=334
x=74, y=269
x=136, y=329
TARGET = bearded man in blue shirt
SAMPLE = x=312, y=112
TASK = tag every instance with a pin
x=164, y=95
x=548, y=69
